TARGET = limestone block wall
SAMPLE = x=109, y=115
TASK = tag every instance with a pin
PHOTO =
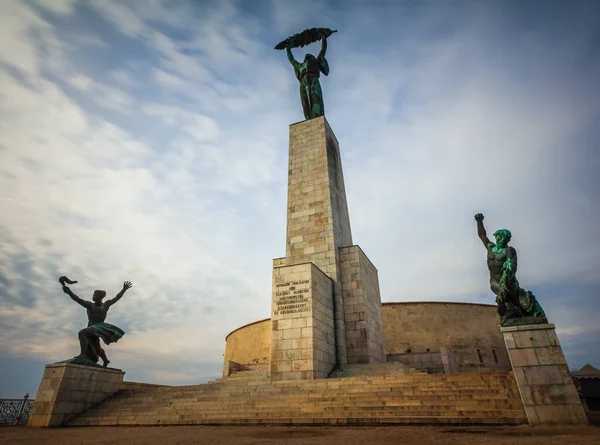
x=139, y=385
x=302, y=327
x=457, y=330
x=542, y=375
x=337, y=190
x=470, y=331
x=431, y=362
x=365, y=338
x=318, y=223
x=67, y=390
x=317, y=218
x=249, y=344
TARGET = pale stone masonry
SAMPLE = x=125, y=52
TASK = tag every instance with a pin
x=542, y=375
x=317, y=220
x=365, y=338
x=318, y=229
x=392, y=399
x=302, y=337
x=455, y=337
x=67, y=390
x=317, y=213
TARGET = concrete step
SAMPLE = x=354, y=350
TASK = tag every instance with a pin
x=373, y=369
x=447, y=410
x=349, y=381
x=379, y=397
x=292, y=419
x=242, y=376
x=330, y=395
x=372, y=415
x=325, y=398
x=379, y=391
x=304, y=391
x=379, y=394
x=402, y=399
x=444, y=379
x=324, y=401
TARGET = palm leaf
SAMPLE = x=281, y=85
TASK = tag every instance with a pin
x=305, y=38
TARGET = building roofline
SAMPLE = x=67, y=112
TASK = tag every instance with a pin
x=245, y=326
x=387, y=303
x=438, y=302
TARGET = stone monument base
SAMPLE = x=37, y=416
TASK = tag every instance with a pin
x=81, y=360
x=302, y=326
x=542, y=375
x=523, y=321
x=68, y=389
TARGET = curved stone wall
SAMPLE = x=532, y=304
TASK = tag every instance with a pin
x=423, y=326
x=469, y=332
x=248, y=345
x=465, y=336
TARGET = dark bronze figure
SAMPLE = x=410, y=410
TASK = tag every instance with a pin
x=515, y=305
x=89, y=338
x=308, y=72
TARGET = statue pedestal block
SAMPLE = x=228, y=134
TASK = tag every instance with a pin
x=303, y=336
x=67, y=389
x=365, y=336
x=542, y=375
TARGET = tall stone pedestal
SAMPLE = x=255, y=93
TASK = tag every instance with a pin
x=67, y=390
x=542, y=375
x=346, y=323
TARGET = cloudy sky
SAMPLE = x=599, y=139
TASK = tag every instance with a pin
x=147, y=141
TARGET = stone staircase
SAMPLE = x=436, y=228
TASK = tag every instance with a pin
x=250, y=398
x=243, y=376
x=373, y=369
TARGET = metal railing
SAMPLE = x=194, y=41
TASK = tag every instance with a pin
x=15, y=411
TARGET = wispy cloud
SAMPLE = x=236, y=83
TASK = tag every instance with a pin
x=63, y=7
x=104, y=95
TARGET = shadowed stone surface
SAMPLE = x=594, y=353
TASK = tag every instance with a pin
x=542, y=375
x=67, y=390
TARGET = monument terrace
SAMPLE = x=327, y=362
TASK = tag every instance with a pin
x=331, y=352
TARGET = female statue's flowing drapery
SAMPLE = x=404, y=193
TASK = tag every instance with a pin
x=308, y=73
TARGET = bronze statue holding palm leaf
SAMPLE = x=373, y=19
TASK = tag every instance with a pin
x=308, y=72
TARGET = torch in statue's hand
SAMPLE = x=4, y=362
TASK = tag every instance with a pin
x=62, y=280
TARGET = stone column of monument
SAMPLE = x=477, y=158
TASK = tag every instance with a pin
x=314, y=328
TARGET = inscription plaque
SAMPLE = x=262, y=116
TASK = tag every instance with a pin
x=292, y=297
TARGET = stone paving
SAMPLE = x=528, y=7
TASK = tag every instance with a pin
x=253, y=435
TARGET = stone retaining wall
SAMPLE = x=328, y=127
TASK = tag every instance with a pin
x=469, y=332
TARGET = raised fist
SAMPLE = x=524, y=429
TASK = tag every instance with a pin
x=479, y=217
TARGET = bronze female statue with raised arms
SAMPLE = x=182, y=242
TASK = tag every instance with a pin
x=89, y=337
x=308, y=71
